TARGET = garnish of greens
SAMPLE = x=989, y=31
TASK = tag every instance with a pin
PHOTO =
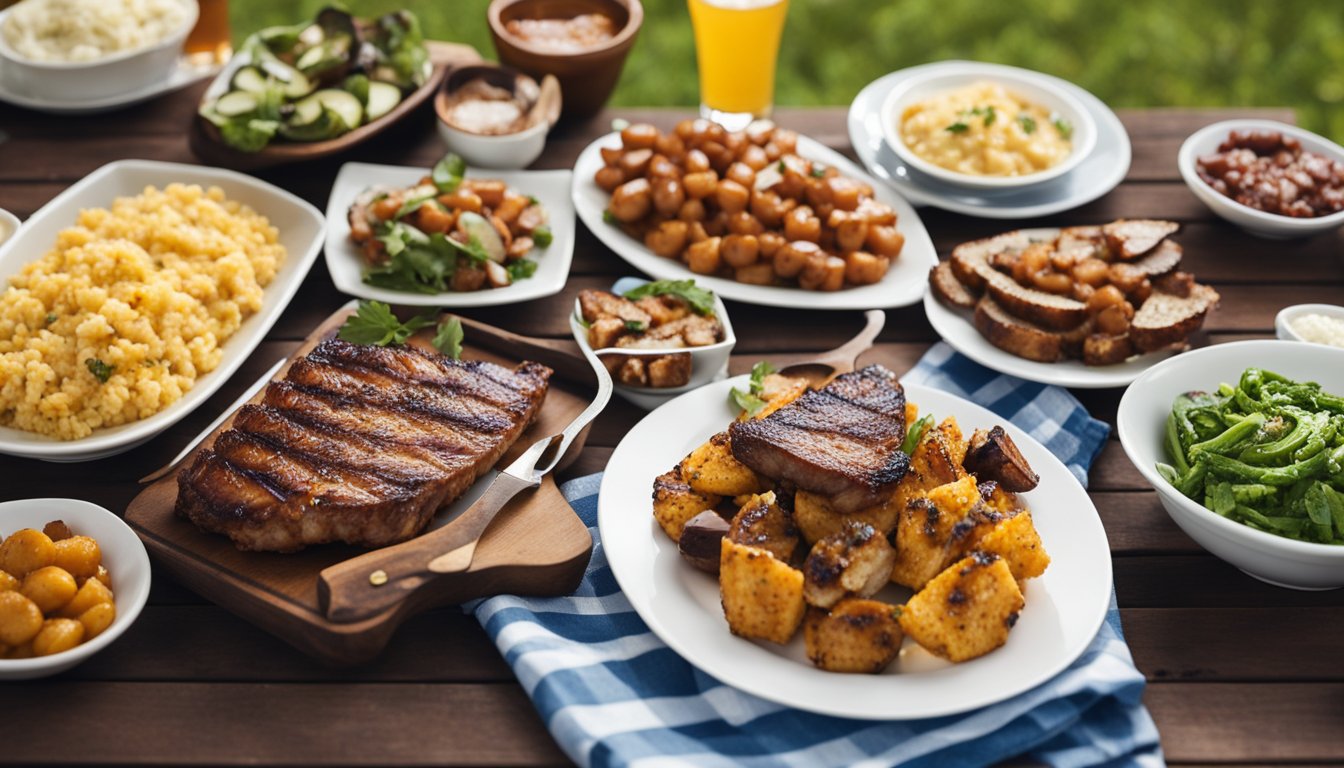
x=915, y=433
x=751, y=400
x=700, y=300
x=986, y=114
x=1268, y=453
x=1062, y=126
x=1028, y=123
x=100, y=370
x=374, y=324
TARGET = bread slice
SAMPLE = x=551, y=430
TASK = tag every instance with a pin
x=1080, y=243
x=1048, y=310
x=1129, y=239
x=1018, y=337
x=1101, y=349
x=1161, y=260
x=1166, y=318
x=948, y=288
x=970, y=260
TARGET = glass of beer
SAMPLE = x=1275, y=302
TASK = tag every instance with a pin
x=209, y=41
x=736, y=46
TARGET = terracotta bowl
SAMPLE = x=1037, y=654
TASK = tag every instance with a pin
x=586, y=77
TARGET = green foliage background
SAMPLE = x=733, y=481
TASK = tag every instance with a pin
x=1131, y=53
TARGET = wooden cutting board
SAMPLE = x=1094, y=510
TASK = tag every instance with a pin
x=536, y=546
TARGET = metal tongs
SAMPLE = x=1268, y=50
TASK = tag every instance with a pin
x=365, y=586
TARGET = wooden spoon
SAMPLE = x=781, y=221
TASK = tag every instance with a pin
x=828, y=365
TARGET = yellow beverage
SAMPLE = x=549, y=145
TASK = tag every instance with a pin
x=209, y=39
x=736, y=45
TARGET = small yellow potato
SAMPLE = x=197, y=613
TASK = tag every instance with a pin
x=20, y=619
x=92, y=593
x=97, y=619
x=49, y=588
x=79, y=555
x=57, y=635
x=26, y=551
x=8, y=582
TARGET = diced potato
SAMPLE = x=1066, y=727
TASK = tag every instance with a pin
x=816, y=519
x=763, y=524
x=957, y=444
x=711, y=468
x=670, y=370
x=1017, y=542
x=604, y=332
x=967, y=610
x=1002, y=501
x=777, y=391
x=922, y=538
x=675, y=502
x=957, y=497
x=932, y=464
x=762, y=597
x=856, y=561
x=857, y=635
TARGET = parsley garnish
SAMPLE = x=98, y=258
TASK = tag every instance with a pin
x=448, y=340
x=957, y=127
x=782, y=168
x=990, y=116
x=100, y=370
x=542, y=236
x=412, y=205
x=915, y=432
x=636, y=326
x=1064, y=127
x=610, y=218
x=818, y=171
x=448, y=173
x=751, y=400
x=1028, y=124
x=51, y=318
x=373, y=323
x=701, y=300
x=522, y=268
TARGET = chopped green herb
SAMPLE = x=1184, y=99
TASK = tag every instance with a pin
x=957, y=127
x=448, y=339
x=412, y=205
x=542, y=236
x=531, y=200
x=521, y=269
x=701, y=300
x=610, y=218
x=1064, y=127
x=915, y=432
x=448, y=173
x=51, y=318
x=751, y=400
x=100, y=370
x=818, y=171
x=636, y=326
x=1028, y=124
x=990, y=116
x=782, y=168
x=374, y=324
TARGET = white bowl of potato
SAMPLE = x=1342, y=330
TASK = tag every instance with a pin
x=58, y=577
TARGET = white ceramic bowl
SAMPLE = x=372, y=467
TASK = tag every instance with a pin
x=119, y=73
x=1283, y=322
x=1027, y=85
x=1141, y=423
x=1274, y=226
x=707, y=363
x=123, y=555
x=9, y=224
x=511, y=150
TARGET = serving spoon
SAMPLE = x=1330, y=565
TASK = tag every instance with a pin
x=820, y=370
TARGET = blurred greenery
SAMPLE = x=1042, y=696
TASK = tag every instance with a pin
x=1131, y=53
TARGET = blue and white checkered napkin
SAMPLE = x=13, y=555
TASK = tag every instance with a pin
x=612, y=694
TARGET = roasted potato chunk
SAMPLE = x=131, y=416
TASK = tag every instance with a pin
x=856, y=561
x=762, y=597
x=924, y=537
x=675, y=502
x=711, y=468
x=763, y=524
x=1003, y=501
x=967, y=610
x=816, y=519
x=857, y=635
x=933, y=463
x=1017, y=542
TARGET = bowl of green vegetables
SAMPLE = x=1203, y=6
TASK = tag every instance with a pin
x=1244, y=443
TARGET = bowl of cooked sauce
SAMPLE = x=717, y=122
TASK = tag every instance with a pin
x=987, y=132
x=582, y=42
x=496, y=117
x=1312, y=323
x=71, y=50
x=1272, y=179
x=73, y=577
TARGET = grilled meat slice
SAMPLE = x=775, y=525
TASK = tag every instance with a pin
x=1131, y=238
x=358, y=444
x=842, y=441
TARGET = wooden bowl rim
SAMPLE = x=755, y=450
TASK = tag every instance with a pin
x=619, y=41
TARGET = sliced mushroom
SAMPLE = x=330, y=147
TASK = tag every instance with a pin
x=994, y=456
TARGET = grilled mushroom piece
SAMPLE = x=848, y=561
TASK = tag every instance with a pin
x=994, y=456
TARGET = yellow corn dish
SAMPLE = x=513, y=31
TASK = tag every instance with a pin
x=985, y=130
x=130, y=307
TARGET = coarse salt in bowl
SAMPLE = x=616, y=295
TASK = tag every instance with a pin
x=1312, y=323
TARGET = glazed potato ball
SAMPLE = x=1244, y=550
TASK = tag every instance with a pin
x=57, y=635
x=92, y=593
x=26, y=551
x=49, y=588
x=55, y=592
x=79, y=555
x=97, y=619
x=20, y=619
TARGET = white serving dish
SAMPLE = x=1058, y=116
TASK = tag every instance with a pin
x=1064, y=607
x=1260, y=223
x=903, y=285
x=510, y=150
x=1283, y=322
x=346, y=265
x=9, y=225
x=1098, y=173
x=111, y=76
x=708, y=363
x=123, y=555
x=1025, y=85
x=1141, y=423
x=300, y=226
x=184, y=73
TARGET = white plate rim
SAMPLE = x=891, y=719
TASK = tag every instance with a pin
x=237, y=349
x=553, y=262
x=184, y=74
x=903, y=285
x=863, y=142
x=1080, y=574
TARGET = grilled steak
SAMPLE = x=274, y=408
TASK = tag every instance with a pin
x=843, y=441
x=358, y=444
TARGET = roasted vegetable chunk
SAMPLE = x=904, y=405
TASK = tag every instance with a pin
x=924, y=536
x=816, y=519
x=967, y=610
x=857, y=635
x=711, y=468
x=994, y=456
x=675, y=502
x=761, y=523
x=856, y=561
x=762, y=597
x=1017, y=542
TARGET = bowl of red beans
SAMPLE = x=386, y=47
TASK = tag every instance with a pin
x=1272, y=179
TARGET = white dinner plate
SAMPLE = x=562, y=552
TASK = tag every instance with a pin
x=183, y=75
x=1064, y=607
x=1103, y=169
x=957, y=327
x=300, y=227
x=551, y=188
x=902, y=286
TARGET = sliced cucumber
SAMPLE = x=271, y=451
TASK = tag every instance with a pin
x=328, y=125
x=480, y=229
x=308, y=110
x=344, y=104
x=235, y=103
x=296, y=84
x=249, y=79
x=383, y=98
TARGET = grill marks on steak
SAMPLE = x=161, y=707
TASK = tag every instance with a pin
x=358, y=444
x=842, y=441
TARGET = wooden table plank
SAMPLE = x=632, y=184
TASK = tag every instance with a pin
x=1242, y=723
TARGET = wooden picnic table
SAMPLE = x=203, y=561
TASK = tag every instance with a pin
x=1238, y=671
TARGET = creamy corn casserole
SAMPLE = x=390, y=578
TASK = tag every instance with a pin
x=130, y=307
x=984, y=129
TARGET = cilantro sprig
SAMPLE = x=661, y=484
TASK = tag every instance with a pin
x=374, y=324
x=1028, y=123
x=448, y=172
x=448, y=338
x=751, y=400
x=700, y=300
x=100, y=370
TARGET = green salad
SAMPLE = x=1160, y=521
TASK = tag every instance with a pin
x=1268, y=453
